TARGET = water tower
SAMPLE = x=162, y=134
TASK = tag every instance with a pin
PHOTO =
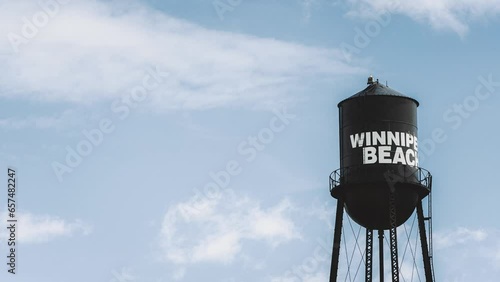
x=379, y=183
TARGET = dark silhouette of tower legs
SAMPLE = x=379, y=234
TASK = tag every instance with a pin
x=369, y=248
x=369, y=255
x=336, y=241
x=423, y=241
x=393, y=234
x=381, y=254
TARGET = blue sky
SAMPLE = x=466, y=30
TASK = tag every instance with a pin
x=187, y=140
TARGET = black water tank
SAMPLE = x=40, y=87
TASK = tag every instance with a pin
x=379, y=154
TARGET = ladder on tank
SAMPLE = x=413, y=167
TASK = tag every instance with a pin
x=428, y=219
x=426, y=237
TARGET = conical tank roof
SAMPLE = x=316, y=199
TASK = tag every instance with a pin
x=375, y=88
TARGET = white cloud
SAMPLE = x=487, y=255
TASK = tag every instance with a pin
x=179, y=273
x=33, y=228
x=90, y=51
x=459, y=236
x=307, y=6
x=466, y=254
x=314, y=277
x=440, y=14
x=222, y=246
x=272, y=224
x=216, y=230
x=125, y=274
x=54, y=121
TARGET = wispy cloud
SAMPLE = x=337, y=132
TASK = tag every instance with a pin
x=34, y=228
x=215, y=230
x=307, y=6
x=459, y=236
x=316, y=277
x=449, y=15
x=90, y=51
x=54, y=121
x=467, y=254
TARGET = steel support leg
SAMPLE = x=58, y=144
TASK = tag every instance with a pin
x=336, y=240
x=394, y=255
x=369, y=255
x=423, y=243
x=393, y=235
x=381, y=254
